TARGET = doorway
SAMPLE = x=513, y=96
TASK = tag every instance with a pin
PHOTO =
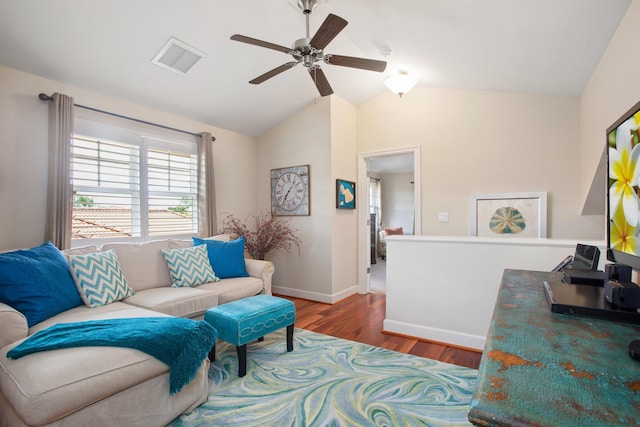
x=393, y=171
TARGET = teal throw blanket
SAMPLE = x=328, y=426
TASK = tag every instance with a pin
x=180, y=343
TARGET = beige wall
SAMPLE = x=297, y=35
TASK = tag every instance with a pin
x=397, y=201
x=23, y=163
x=322, y=135
x=344, y=251
x=613, y=89
x=303, y=139
x=475, y=142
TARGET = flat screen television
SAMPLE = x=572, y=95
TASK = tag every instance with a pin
x=623, y=189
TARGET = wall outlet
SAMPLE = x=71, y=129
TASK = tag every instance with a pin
x=443, y=216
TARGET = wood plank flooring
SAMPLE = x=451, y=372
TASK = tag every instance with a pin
x=359, y=318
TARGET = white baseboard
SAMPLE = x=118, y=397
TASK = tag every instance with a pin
x=435, y=334
x=314, y=296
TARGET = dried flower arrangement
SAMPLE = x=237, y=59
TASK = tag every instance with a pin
x=270, y=233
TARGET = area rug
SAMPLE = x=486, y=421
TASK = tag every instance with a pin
x=328, y=381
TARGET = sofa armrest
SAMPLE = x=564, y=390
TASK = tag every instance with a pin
x=262, y=270
x=13, y=325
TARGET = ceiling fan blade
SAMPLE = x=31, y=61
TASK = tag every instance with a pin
x=318, y=77
x=328, y=31
x=350, y=61
x=273, y=73
x=261, y=43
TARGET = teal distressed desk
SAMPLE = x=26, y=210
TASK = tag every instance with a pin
x=540, y=368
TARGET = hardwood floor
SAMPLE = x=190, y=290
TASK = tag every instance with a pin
x=359, y=318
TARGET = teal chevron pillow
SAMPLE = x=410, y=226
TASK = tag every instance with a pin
x=99, y=278
x=189, y=266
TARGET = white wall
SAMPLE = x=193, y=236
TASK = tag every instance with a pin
x=444, y=288
x=23, y=163
x=613, y=89
x=397, y=201
x=475, y=142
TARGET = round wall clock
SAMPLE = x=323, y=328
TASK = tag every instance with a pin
x=290, y=191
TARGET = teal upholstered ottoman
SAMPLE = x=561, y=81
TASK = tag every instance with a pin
x=248, y=319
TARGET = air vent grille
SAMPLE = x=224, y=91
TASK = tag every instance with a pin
x=178, y=56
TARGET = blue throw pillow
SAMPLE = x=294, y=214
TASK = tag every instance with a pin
x=226, y=258
x=37, y=282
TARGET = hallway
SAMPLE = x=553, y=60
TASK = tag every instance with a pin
x=378, y=280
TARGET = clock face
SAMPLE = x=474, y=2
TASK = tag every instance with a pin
x=290, y=191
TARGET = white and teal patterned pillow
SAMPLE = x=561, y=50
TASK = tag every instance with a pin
x=189, y=266
x=99, y=278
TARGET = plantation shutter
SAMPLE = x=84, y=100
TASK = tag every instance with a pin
x=130, y=181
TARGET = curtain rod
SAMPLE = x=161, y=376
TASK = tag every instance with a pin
x=45, y=97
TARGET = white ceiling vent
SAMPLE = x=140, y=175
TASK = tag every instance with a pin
x=178, y=56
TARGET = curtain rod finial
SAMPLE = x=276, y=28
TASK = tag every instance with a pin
x=45, y=97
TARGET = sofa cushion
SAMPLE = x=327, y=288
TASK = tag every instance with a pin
x=80, y=250
x=116, y=310
x=189, y=266
x=47, y=386
x=226, y=258
x=143, y=264
x=233, y=289
x=50, y=385
x=37, y=282
x=99, y=278
x=181, y=302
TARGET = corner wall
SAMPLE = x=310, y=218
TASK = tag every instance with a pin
x=322, y=135
x=302, y=139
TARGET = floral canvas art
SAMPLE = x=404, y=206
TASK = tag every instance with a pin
x=624, y=203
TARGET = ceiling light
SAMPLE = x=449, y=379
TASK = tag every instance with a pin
x=400, y=83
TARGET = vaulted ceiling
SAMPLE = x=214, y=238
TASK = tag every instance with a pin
x=541, y=46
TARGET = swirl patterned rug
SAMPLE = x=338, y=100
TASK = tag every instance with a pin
x=328, y=381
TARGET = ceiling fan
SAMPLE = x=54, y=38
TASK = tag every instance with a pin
x=309, y=51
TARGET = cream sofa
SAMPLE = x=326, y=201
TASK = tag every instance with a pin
x=107, y=385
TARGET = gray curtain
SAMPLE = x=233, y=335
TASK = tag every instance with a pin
x=206, y=187
x=59, y=189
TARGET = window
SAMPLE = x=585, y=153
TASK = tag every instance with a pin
x=128, y=183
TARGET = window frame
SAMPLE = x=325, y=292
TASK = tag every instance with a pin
x=95, y=126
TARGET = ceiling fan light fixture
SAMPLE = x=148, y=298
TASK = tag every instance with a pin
x=400, y=83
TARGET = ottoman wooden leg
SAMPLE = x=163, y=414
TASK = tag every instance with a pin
x=242, y=360
x=290, y=338
x=212, y=353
